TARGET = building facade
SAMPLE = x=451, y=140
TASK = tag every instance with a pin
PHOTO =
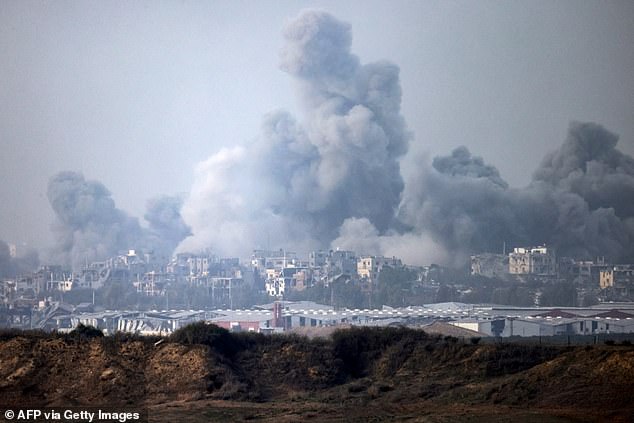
x=539, y=261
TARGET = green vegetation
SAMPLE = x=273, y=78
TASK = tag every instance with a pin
x=11, y=333
x=562, y=294
x=215, y=337
x=508, y=359
x=85, y=332
x=341, y=293
x=357, y=348
x=358, y=367
x=395, y=286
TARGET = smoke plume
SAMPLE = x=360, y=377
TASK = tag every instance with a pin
x=299, y=182
x=579, y=201
x=90, y=227
x=166, y=226
x=333, y=179
x=589, y=165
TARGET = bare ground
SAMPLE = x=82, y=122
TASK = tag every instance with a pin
x=399, y=377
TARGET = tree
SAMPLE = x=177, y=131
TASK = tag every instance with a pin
x=346, y=293
x=589, y=299
x=317, y=293
x=118, y=295
x=395, y=286
x=513, y=295
x=562, y=294
x=446, y=293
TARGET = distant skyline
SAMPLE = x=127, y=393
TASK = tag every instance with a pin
x=135, y=95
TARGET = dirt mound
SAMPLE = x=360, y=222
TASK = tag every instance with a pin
x=383, y=372
x=56, y=372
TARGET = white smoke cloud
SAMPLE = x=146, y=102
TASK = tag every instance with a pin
x=298, y=182
x=413, y=247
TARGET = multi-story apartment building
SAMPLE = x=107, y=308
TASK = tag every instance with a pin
x=583, y=271
x=538, y=261
x=490, y=265
x=317, y=259
x=369, y=267
x=620, y=277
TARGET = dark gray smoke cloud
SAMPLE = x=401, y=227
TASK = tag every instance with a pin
x=166, y=226
x=589, y=165
x=579, y=202
x=461, y=201
x=90, y=227
x=594, y=187
x=299, y=182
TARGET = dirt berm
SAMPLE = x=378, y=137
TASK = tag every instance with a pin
x=204, y=373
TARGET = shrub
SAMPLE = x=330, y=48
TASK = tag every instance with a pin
x=123, y=337
x=475, y=340
x=85, y=332
x=10, y=333
x=609, y=342
x=219, y=339
x=507, y=359
x=357, y=348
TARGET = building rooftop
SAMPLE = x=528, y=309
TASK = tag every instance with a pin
x=614, y=314
x=557, y=313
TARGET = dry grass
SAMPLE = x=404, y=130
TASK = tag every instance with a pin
x=362, y=374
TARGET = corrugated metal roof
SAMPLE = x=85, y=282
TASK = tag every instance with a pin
x=614, y=314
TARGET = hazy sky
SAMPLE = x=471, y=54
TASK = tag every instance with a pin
x=134, y=94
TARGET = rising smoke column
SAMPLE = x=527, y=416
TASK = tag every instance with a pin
x=452, y=206
x=89, y=227
x=579, y=201
x=334, y=178
x=354, y=122
x=594, y=185
x=589, y=164
x=462, y=201
x=166, y=226
x=299, y=182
